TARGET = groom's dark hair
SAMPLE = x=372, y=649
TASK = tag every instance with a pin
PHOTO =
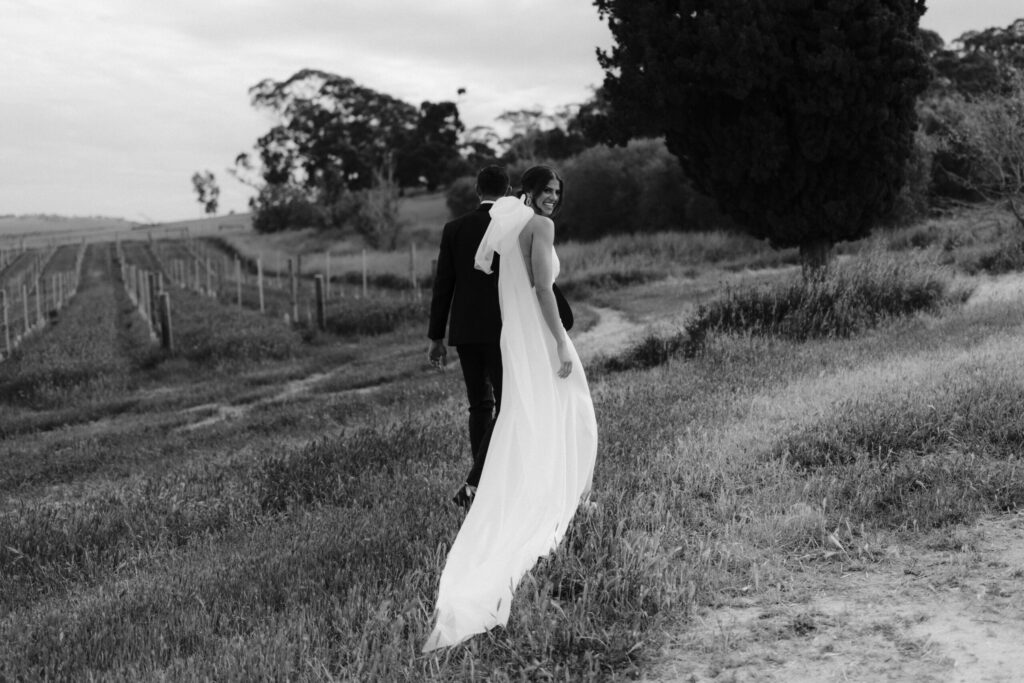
x=492, y=181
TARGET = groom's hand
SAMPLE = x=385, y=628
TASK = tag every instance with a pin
x=438, y=354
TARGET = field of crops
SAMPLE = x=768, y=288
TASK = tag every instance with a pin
x=34, y=285
x=267, y=500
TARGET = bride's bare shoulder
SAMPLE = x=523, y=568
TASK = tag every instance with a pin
x=540, y=225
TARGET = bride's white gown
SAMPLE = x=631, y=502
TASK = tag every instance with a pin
x=541, y=456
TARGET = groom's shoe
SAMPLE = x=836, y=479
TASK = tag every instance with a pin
x=464, y=496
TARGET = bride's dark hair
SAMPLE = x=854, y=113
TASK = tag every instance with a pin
x=535, y=179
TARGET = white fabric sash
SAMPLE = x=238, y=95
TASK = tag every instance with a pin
x=508, y=218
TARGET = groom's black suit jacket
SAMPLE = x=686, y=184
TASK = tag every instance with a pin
x=467, y=295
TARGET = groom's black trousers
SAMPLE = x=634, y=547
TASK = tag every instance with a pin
x=481, y=369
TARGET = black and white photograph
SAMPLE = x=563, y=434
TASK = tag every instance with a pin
x=583, y=340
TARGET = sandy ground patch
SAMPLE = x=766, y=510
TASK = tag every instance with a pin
x=948, y=610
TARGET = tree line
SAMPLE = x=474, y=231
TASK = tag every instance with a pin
x=804, y=123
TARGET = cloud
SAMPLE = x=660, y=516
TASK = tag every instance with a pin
x=109, y=106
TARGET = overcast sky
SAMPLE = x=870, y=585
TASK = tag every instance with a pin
x=107, y=107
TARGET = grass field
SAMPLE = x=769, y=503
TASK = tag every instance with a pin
x=280, y=511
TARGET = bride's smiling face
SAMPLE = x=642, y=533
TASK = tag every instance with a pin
x=547, y=199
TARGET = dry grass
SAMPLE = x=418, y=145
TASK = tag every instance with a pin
x=303, y=537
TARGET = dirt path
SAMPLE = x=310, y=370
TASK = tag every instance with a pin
x=613, y=333
x=949, y=611
x=222, y=413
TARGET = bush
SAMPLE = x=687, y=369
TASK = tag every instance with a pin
x=981, y=144
x=283, y=207
x=637, y=188
x=847, y=299
x=371, y=213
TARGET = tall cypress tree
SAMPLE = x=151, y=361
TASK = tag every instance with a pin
x=796, y=115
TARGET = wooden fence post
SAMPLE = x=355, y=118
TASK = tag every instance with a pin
x=6, y=321
x=321, y=312
x=238, y=281
x=209, y=280
x=39, y=305
x=166, y=337
x=140, y=294
x=144, y=297
x=327, y=274
x=293, y=291
x=154, y=302
x=412, y=271
x=259, y=281
x=24, y=305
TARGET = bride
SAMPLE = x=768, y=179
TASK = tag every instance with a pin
x=540, y=461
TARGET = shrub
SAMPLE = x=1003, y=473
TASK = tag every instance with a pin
x=372, y=213
x=283, y=207
x=849, y=298
x=637, y=188
x=981, y=144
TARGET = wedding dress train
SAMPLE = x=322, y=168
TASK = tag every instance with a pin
x=540, y=462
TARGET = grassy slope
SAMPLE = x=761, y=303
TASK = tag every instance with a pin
x=303, y=538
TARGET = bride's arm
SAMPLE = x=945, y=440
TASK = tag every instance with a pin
x=542, y=248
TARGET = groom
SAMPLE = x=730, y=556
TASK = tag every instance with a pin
x=470, y=298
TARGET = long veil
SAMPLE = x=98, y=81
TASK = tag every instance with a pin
x=540, y=462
